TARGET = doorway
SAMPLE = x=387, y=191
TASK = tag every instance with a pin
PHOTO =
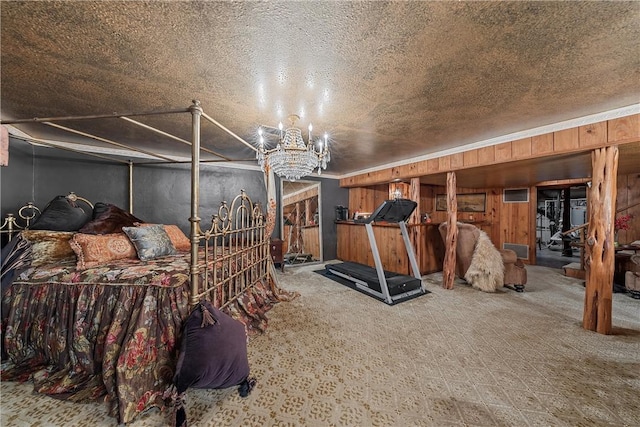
x=560, y=209
x=301, y=222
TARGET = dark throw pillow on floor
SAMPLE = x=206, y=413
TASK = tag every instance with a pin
x=213, y=354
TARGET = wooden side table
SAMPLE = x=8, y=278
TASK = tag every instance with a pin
x=275, y=249
x=623, y=262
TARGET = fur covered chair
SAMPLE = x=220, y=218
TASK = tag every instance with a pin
x=481, y=264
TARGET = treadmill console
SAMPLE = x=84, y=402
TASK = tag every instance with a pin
x=394, y=211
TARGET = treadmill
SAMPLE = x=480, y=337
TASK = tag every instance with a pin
x=384, y=285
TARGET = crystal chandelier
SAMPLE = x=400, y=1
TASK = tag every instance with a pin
x=292, y=158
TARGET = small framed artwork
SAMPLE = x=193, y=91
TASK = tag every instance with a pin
x=467, y=202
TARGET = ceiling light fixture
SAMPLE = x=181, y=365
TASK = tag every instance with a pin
x=292, y=158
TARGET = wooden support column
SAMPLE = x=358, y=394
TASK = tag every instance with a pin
x=414, y=194
x=567, y=250
x=416, y=234
x=599, y=250
x=449, y=266
x=308, y=215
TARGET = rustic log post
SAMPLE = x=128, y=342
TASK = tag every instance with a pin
x=449, y=265
x=416, y=234
x=414, y=194
x=600, y=252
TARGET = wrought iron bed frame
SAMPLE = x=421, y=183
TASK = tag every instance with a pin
x=240, y=226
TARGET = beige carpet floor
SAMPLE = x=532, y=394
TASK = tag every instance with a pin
x=336, y=357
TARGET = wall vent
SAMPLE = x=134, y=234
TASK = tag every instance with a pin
x=522, y=251
x=515, y=195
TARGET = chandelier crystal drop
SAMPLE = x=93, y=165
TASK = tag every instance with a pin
x=292, y=158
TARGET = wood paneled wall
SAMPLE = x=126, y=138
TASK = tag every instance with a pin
x=353, y=245
x=629, y=197
x=503, y=222
x=507, y=222
x=579, y=139
x=366, y=199
x=428, y=194
x=300, y=196
x=511, y=222
x=311, y=239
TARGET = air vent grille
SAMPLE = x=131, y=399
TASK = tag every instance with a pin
x=516, y=195
x=521, y=250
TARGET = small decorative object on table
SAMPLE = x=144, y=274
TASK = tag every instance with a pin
x=621, y=223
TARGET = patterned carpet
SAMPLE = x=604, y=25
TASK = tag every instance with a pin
x=336, y=357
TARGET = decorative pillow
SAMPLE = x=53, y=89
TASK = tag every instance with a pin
x=150, y=242
x=50, y=247
x=213, y=354
x=180, y=241
x=213, y=351
x=107, y=219
x=61, y=214
x=95, y=250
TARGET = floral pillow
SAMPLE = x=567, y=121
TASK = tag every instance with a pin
x=93, y=250
x=150, y=242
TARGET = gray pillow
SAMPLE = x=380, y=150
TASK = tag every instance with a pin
x=150, y=242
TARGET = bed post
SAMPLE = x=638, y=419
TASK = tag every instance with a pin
x=130, y=187
x=196, y=112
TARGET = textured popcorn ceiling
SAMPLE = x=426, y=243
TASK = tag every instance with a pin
x=387, y=80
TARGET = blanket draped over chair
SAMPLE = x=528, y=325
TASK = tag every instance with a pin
x=481, y=264
x=486, y=271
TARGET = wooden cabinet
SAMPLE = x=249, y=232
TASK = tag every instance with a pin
x=353, y=245
x=275, y=249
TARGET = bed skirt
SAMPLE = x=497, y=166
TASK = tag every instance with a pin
x=83, y=341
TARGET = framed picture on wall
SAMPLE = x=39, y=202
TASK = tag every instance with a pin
x=467, y=202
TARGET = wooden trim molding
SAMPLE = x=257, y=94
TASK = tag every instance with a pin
x=583, y=138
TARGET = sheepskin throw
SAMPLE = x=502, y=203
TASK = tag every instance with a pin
x=486, y=271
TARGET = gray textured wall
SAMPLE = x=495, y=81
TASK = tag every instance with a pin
x=162, y=193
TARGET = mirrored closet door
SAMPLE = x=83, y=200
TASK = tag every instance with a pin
x=301, y=222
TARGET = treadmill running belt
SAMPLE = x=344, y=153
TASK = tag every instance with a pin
x=396, y=283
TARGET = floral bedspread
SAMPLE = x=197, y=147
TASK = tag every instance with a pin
x=113, y=330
